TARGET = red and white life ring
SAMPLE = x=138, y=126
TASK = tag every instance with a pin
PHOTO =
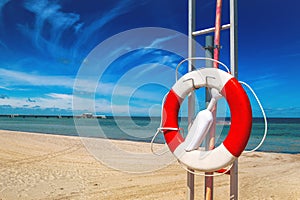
x=241, y=119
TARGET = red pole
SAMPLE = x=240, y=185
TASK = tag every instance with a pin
x=217, y=32
x=211, y=141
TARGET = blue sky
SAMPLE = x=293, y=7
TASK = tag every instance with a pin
x=46, y=46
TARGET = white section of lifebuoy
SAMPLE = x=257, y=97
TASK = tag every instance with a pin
x=207, y=161
x=206, y=77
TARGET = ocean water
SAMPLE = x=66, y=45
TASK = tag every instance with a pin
x=283, y=134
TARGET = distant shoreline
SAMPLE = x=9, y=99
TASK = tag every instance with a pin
x=49, y=116
x=255, y=119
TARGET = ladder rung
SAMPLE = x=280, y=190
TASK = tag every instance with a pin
x=210, y=30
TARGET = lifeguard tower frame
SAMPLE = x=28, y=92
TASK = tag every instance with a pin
x=192, y=33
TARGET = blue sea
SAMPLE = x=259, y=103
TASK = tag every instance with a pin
x=283, y=133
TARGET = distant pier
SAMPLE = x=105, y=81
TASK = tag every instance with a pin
x=53, y=116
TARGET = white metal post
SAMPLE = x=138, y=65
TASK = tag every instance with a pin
x=234, y=72
x=233, y=39
x=191, y=97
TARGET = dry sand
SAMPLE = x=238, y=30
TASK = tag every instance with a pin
x=40, y=166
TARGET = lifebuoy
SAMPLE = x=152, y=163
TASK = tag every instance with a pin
x=241, y=119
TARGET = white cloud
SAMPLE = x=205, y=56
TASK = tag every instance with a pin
x=121, y=8
x=128, y=88
x=158, y=43
x=41, y=102
x=2, y=4
x=12, y=78
x=48, y=12
x=5, y=88
x=265, y=82
x=60, y=96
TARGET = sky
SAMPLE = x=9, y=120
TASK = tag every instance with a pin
x=118, y=57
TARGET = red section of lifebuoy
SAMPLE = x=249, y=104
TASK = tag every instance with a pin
x=241, y=117
x=170, y=119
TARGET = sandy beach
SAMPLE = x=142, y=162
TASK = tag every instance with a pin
x=41, y=166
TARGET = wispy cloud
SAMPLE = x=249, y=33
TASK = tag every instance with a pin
x=265, y=81
x=87, y=31
x=160, y=41
x=48, y=12
x=12, y=78
x=164, y=66
x=5, y=88
x=2, y=4
x=39, y=102
x=51, y=19
x=60, y=96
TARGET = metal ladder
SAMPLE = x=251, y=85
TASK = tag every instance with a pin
x=192, y=33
